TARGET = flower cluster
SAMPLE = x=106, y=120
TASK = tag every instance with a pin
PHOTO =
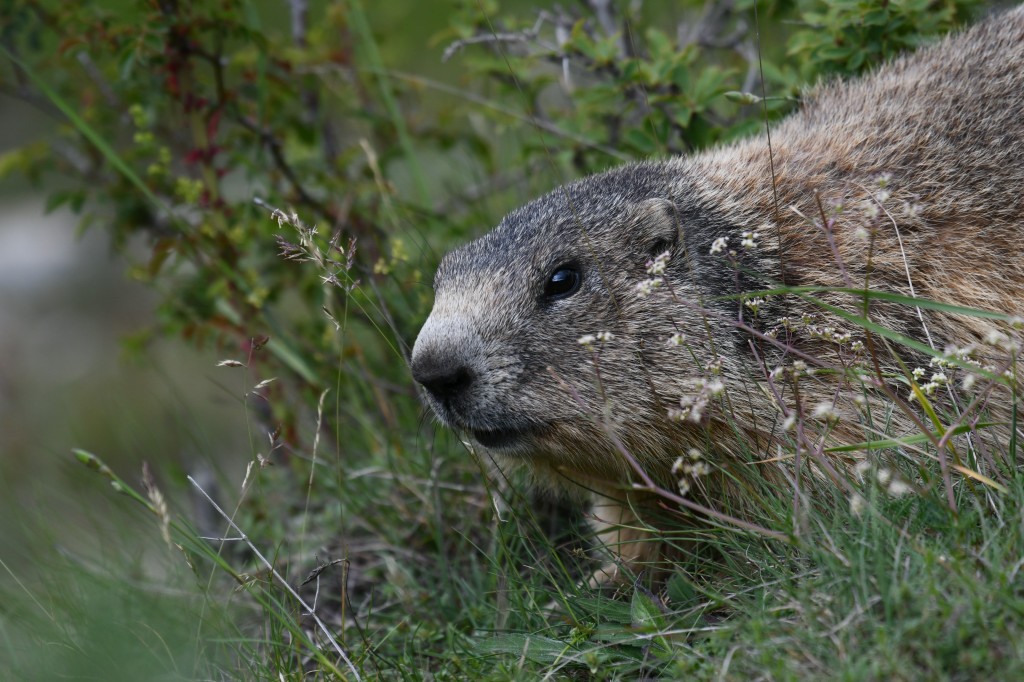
x=754, y=304
x=656, y=269
x=885, y=477
x=692, y=407
x=826, y=412
x=657, y=266
x=1002, y=341
x=588, y=340
x=798, y=369
x=646, y=286
x=677, y=339
x=689, y=469
x=828, y=334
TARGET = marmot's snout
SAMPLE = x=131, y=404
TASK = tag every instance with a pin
x=471, y=383
x=445, y=377
x=448, y=362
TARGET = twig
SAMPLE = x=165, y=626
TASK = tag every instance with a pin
x=272, y=144
x=310, y=97
x=536, y=121
x=312, y=467
x=280, y=578
x=525, y=36
x=826, y=227
x=300, y=10
x=32, y=98
x=97, y=77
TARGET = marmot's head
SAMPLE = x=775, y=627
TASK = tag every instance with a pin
x=501, y=356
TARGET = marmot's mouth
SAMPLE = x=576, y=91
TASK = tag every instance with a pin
x=501, y=438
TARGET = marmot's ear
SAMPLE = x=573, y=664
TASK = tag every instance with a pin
x=653, y=227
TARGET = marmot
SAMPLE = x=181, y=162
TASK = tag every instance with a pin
x=611, y=323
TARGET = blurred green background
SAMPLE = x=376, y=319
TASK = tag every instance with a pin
x=67, y=305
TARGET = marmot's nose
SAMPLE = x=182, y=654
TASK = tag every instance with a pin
x=445, y=380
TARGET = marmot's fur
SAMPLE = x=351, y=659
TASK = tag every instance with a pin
x=918, y=173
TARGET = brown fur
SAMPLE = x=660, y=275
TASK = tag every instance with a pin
x=500, y=357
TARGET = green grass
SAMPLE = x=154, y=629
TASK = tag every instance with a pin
x=445, y=574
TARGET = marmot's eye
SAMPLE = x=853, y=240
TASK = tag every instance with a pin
x=564, y=281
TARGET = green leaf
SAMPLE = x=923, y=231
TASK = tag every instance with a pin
x=659, y=44
x=538, y=649
x=912, y=439
x=607, y=609
x=639, y=140
x=645, y=613
x=742, y=97
x=647, y=617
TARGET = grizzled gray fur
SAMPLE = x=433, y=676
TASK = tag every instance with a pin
x=920, y=169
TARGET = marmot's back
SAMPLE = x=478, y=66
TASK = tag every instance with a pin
x=944, y=128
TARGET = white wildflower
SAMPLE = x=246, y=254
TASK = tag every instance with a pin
x=587, y=340
x=645, y=287
x=657, y=266
x=715, y=366
x=898, y=488
x=605, y=336
x=697, y=469
x=748, y=240
x=677, y=339
x=754, y=304
x=825, y=412
x=719, y=245
x=996, y=338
